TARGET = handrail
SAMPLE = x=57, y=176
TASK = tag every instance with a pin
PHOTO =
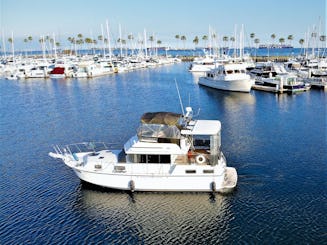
x=92, y=146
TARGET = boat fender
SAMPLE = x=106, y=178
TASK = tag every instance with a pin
x=200, y=159
x=213, y=186
x=131, y=185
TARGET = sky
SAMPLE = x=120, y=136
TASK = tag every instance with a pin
x=161, y=18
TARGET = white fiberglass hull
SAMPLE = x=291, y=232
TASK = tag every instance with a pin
x=57, y=76
x=239, y=85
x=223, y=182
x=103, y=170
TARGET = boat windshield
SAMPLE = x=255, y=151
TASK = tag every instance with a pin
x=154, y=131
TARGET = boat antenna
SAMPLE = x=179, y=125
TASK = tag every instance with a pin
x=179, y=96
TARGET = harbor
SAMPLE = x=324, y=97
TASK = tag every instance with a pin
x=270, y=139
x=163, y=122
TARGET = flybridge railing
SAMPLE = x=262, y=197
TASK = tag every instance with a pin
x=84, y=147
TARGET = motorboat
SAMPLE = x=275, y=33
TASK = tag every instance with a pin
x=170, y=152
x=230, y=77
x=57, y=72
x=203, y=64
x=287, y=82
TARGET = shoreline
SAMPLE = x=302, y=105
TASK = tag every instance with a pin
x=281, y=58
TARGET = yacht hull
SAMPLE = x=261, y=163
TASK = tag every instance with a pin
x=240, y=85
x=223, y=182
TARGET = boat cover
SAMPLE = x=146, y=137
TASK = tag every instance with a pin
x=166, y=118
x=160, y=125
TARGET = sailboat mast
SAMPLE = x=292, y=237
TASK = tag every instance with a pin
x=103, y=45
x=120, y=42
x=12, y=46
x=145, y=48
x=108, y=37
x=54, y=45
x=241, y=41
x=4, y=44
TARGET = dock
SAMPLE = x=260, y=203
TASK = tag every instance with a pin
x=254, y=58
x=269, y=89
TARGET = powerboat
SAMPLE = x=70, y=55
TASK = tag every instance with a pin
x=170, y=152
x=230, y=77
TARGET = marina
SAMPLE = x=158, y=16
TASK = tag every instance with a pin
x=273, y=141
x=163, y=122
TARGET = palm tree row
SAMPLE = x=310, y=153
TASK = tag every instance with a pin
x=79, y=40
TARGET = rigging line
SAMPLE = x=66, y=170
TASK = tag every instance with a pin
x=179, y=96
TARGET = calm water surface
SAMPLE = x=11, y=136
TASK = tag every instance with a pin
x=277, y=144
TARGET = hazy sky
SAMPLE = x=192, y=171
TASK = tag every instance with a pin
x=163, y=18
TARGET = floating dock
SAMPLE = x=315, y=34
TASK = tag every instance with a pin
x=269, y=89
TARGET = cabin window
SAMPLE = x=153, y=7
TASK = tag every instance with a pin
x=143, y=159
x=208, y=171
x=154, y=158
x=229, y=72
x=237, y=71
x=119, y=168
x=190, y=171
x=201, y=142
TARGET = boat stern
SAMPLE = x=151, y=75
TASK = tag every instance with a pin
x=230, y=180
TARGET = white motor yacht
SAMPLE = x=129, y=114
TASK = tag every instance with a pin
x=230, y=77
x=170, y=152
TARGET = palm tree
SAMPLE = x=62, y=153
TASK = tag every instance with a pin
x=205, y=39
x=301, y=42
x=88, y=41
x=281, y=40
x=225, y=39
x=151, y=39
x=177, y=37
x=273, y=36
x=252, y=35
x=130, y=38
x=25, y=41
x=73, y=42
x=290, y=38
x=183, y=38
x=196, y=41
x=322, y=39
x=256, y=41
x=11, y=41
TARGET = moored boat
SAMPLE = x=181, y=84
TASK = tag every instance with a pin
x=230, y=77
x=170, y=152
x=57, y=72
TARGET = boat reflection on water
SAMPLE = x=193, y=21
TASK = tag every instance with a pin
x=158, y=217
x=231, y=99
